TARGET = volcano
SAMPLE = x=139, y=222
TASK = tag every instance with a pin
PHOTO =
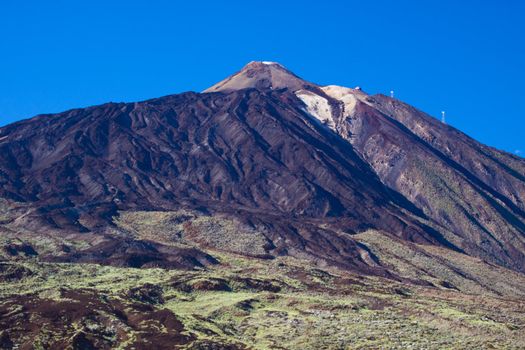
x=303, y=169
x=264, y=212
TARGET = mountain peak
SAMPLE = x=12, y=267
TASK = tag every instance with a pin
x=261, y=75
x=265, y=63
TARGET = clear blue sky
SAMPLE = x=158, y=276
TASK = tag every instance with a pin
x=466, y=57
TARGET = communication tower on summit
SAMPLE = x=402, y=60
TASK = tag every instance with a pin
x=443, y=117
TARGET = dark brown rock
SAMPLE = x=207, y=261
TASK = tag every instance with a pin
x=251, y=150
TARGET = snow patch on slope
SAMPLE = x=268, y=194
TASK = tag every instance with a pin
x=318, y=107
x=348, y=96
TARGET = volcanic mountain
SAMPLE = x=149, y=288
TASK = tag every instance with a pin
x=263, y=164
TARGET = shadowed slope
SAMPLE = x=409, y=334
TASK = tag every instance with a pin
x=311, y=165
x=252, y=154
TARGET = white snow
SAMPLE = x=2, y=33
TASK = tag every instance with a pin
x=348, y=96
x=269, y=63
x=343, y=94
x=318, y=107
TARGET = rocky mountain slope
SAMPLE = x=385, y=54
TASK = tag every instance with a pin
x=305, y=166
x=265, y=212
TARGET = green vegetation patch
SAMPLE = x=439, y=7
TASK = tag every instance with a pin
x=247, y=303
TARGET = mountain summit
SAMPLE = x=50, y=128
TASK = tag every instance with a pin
x=261, y=75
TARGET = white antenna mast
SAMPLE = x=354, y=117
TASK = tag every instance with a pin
x=443, y=117
x=392, y=93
